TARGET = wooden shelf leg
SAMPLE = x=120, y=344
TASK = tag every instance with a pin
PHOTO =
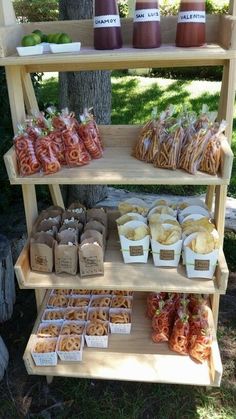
x=56, y=195
x=32, y=105
x=210, y=197
x=215, y=303
x=220, y=205
x=49, y=379
x=227, y=96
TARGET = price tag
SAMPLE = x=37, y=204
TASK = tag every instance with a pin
x=136, y=250
x=167, y=254
x=201, y=265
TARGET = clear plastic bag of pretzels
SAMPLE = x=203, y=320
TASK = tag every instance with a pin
x=169, y=147
x=147, y=144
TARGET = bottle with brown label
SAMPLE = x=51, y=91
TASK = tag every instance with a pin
x=107, y=30
x=146, y=29
x=191, y=31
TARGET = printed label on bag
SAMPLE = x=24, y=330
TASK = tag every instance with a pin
x=41, y=260
x=65, y=263
x=167, y=254
x=147, y=15
x=136, y=250
x=201, y=265
x=194, y=16
x=106, y=21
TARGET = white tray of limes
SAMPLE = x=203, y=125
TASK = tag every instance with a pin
x=38, y=43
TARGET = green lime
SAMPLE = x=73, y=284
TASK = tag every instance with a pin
x=44, y=38
x=28, y=41
x=37, y=38
x=50, y=37
x=64, y=39
x=55, y=38
x=38, y=32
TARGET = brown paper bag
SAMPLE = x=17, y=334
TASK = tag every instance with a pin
x=75, y=225
x=91, y=258
x=42, y=252
x=71, y=215
x=66, y=252
x=96, y=225
x=45, y=227
x=88, y=234
x=97, y=214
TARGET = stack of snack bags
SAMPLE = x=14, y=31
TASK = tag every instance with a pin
x=182, y=321
x=182, y=141
x=60, y=239
x=76, y=316
x=46, y=144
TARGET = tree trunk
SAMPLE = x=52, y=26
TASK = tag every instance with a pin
x=85, y=89
x=7, y=281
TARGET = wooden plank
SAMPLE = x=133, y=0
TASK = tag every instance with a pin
x=232, y=7
x=227, y=96
x=56, y=195
x=119, y=167
x=10, y=37
x=15, y=92
x=28, y=92
x=7, y=14
x=210, y=197
x=220, y=204
x=30, y=204
x=90, y=59
x=227, y=34
x=135, y=358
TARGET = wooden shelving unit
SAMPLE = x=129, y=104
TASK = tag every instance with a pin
x=132, y=357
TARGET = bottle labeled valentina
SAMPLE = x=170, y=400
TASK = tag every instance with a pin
x=146, y=29
x=191, y=30
x=107, y=30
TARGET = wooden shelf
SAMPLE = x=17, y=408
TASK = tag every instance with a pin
x=135, y=357
x=118, y=275
x=119, y=167
x=127, y=57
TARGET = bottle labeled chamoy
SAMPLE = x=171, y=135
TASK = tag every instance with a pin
x=107, y=30
x=146, y=27
x=191, y=31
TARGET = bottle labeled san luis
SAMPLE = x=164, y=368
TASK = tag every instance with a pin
x=107, y=30
x=191, y=24
x=146, y=27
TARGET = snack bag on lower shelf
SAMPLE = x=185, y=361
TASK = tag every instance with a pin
x=179, y=337
x=162, y=321
x=152, y=302
x=200, y=339
x=88, y=131
x=27, y=161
